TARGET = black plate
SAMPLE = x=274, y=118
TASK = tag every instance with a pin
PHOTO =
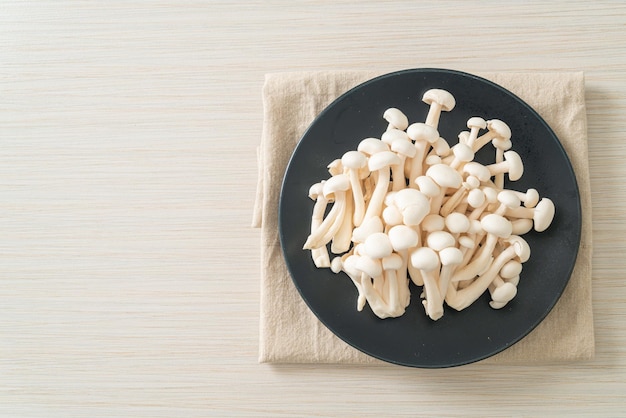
x=478, y=331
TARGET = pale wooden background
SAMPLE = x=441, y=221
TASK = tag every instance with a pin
x=129, y=271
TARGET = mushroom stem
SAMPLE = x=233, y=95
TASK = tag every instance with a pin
x=381, y=188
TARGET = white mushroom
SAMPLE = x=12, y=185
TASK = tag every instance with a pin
x=353, y=161
x=319, y=255
x=501, y=292
x=426, y=261
x=501, y=145
x=405, y=150
x=542, y=215
x=445, y=177
x=423, y=136
x=438, y=100
x=512, y=165
x=496, y=129
x=380, y=164
x=475, y=124
x=336, y=186
x=403, y=238
x=396, y=119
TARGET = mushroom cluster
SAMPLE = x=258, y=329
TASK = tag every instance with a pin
x=409, y=207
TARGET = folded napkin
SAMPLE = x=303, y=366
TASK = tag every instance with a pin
x=290, y=332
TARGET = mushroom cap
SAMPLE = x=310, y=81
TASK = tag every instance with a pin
x=475, y=227
x=441, y=97
x=451, y=256
x=392, y=262
x=522, y=226
x=471, y=182
x=402, y=237
x=513, y=280
x=475, y=198
x=466, y=242
x=336, y=265
x=377, y=245
x=349, y=265
x=500, y=128
x=521, y=247
x=509, y=199
x=427, y=186
x=396, y=118
x=391, y=134
x=433, y=222
x=371, y=146
x=432, y=159
x=335, y=167
x=516, y=167
x=502, y=143
x=354, y=160
x=463, y=152
x=490, y=194
x=531, y=198
x=414, y=214
x=511, y=269
x=476, y=122
x=504, y=293
x=441, y=147
x=369, y=266
x=338, y=183
x=316, y=190
x=424, y=258
x=368, y=226
x=457, y=223
x=444, y=175
x=543, y=214
x=389, y=198
x=392, y=216
x=477, y=170
x=438, y=240
x=496, y=225
x=383, y=159
x=408, y=197
x=463, y=136
x=419, y=131
x=403, y=147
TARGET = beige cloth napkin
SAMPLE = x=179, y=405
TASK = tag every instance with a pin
x=290, y=332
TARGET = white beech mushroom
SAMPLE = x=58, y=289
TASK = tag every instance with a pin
x=405, y=150
x=403, y=238
x=542, y=214
x=380, y=164
x=353, y=161
x=512, y=165
x=423, y=137
x=336, y=186
x=475, y=124
x=438, y=100
x=319, y=255
x=396, y=119
x=496, y=129
x=426, y=261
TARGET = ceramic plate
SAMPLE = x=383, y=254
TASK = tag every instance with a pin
x=479, y=331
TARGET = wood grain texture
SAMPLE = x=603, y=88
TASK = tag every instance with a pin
x=128, y=132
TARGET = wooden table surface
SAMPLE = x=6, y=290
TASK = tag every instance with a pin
x=128, y=130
